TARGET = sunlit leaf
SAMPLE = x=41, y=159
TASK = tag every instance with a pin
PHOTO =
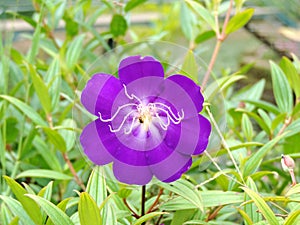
x=17, y=209
x=89, y=213
x=55, y=214
x=132, y=4
x=239, y=20
x=29, y=205
x=44, y=174
x=147, y=217
x=118, y=25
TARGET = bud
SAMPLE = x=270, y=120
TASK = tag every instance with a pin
x=288, y=165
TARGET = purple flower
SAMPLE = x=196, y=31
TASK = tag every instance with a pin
x=146, y=125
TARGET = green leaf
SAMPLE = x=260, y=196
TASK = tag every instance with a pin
x=45, y=174
x=55, y=214
x=181, y=216
x=56, y=139
x=190, y=67
x=294, y=190
x=47, y=154
x=292, y=75
x=251, y=209
x=17, y=209
x=74, y=50
x=186, y=190
x=28, y=204
x=187, y=21
x=132, y=4
x=281, y=88
x=62, y=205
x=36, y=38
x=203, y=13
x=210, y=199
x=205, y=36
x=292, y=218
x=245, y=215
x=147, y=217
x=239, y=20
x=41, y=89
x=69, y=134
x=293, y=128
x=26, y=109
x=255, y=160
x=53, y=79
x=118, y=25
x=96, y=185
x=247, y=127
x=89, y=213
x=262, y=206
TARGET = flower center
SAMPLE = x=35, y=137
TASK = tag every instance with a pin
x=143, y=115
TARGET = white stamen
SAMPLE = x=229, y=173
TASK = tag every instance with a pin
x=121, y=125
x=144, y=114
x=131, y=126
x=116, y=113
x=132, y=96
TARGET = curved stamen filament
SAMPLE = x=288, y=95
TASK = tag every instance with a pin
x=162, y=123
x=175, y=120
x=122, y=123
x=131, y=126
x=169, y=111
x=116, y=113
x=132, y=96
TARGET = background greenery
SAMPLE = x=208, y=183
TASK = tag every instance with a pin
x=50, y=48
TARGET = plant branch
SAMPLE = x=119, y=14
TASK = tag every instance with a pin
x=214, y=214
x=130, y=209
x=161, y=190
x=70, y=165
x=220, y=38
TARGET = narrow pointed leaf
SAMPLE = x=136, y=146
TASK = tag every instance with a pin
x=89, y=213
x=28, y=204
x=203, y=13
x=55, y=214
x=282, y=89
x=147, y=217
x=17, y=209
x=239, y=20
x=262, y=206
x=43, y=173
x=26, y=109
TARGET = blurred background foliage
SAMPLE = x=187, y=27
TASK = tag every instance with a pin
x=50, y=48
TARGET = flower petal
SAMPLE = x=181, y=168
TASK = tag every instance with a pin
x=125, y=151
x=194, y=135
x=204, y=133
x=171, y=166
x=190, y=88
x=177, y=175
x=93, y=146
x=129, y=174
x=99, y=94
x=135, y=67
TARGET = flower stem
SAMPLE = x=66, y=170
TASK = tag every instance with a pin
x=143, y=202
